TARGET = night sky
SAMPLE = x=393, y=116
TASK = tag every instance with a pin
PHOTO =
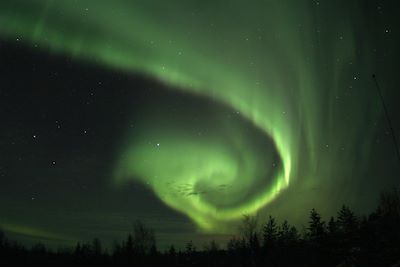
x=187, y=115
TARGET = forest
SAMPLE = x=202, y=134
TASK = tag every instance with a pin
x=343, y=240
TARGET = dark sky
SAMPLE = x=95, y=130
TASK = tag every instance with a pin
x=187, y=116
x=64, y=121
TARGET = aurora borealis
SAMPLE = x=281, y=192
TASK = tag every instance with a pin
x=260, y=107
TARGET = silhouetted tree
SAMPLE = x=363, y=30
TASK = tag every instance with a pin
x=287, y=235
x=316, y=237
x=283, y=233
x=86, y=250
x=39, y=248
x=248, y=230
x=389, y=204
x=254, y=243
x=332, y=227
x=2, y=237
x=190, y=248
x=316, y=228
x=190, y=253
x=348, y=235
x=97, y=249
x=172, y=256
x=293, y=236
x=235, y=244
x=172, y=250
x=347, y=221
x=143, y=239
x=385, y=223
x=129, y=245
x=372, y=240
x=211, y=247
x=270, y=233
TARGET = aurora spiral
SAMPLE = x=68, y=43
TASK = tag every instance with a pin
x=279, y=65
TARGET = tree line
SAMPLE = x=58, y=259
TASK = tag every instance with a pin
x=343, y=240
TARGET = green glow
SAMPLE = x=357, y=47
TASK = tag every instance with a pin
x=34, y=232
x=264, y=60
x=208, y=177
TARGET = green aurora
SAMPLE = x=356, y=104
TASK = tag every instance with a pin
x=282, y=65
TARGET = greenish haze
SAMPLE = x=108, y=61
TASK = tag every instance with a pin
x=36, y=233
x=283, y=65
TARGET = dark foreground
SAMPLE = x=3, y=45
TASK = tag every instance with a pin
x=345, y=240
